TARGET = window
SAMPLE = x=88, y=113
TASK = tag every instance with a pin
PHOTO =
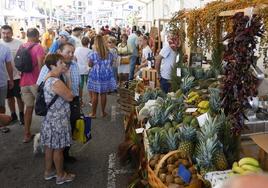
x=21, y=4
x=10, y=4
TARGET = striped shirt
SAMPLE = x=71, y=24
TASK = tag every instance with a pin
x=75, y=77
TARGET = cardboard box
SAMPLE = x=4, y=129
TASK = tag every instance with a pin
x=261, y=140
x=152, y=76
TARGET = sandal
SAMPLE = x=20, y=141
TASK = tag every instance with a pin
x=50, y=176
x=104, y=114
x=4, y=130
x=92, y=116
x=65, y=178
x=28, y=138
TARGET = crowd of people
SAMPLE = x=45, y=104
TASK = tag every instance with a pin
x=66, y=62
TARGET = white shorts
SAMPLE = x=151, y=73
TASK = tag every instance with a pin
x=123, y=69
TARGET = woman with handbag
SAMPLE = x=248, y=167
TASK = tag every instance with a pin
x=101, y=77
x=56, y=128
x=124, y=52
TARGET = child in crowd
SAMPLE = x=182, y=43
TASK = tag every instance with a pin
x=81, y=55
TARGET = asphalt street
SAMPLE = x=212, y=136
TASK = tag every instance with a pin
x=97, y=165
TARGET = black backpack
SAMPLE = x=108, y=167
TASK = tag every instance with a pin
x=41, y=107
x=23, y=59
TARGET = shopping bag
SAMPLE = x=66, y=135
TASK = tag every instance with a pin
x=82, y=130
x=124, y=60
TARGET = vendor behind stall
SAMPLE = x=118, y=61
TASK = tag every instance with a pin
x=166, y=60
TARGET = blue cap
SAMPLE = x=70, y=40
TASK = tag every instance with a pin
x=65, y=34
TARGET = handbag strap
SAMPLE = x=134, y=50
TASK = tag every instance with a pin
x=52, y=101
x=54, y=98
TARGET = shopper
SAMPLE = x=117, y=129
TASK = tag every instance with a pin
x=5, y=67
x=133, y=42
x=55, y=128
x=64, y=37
x=76, y=34
x=146, y=51
x=67, y=51
x=28, y=80
x=101, y=79
x=47, y=39
x=124, y=52
x=13, y=45
x=81, y=57
x=111, y=44
x=165, y=62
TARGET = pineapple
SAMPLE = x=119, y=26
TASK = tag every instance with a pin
x=204, y=154
x=187, y=136
x=220, y=160
x=214, y=100
x=187, y=83
x=171, y=139
x=155, y=143
x=209, y=131
x=211, y=127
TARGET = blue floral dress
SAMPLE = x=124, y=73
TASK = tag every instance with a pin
x=56, y=127
x=101, y=77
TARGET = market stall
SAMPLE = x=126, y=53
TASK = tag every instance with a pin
x=191, y=137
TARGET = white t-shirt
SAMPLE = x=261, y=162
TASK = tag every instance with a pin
x=13, y=46
x=77, y=42
x=168, y=61
x=81, y=54
x=145, y=51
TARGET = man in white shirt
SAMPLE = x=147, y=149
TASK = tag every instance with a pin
x=165, y=62
x=13, y=44
x=76, y=34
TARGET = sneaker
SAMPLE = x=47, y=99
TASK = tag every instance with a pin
x=64, y=179
x=50, y=176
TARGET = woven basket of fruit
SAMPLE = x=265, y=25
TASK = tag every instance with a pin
x=166, y=169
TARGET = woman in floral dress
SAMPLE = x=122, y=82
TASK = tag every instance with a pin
x=101, y=77
x=56, y=127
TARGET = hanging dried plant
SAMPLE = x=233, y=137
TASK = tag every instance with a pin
x=239, y=82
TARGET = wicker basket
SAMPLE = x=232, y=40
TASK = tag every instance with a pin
x=155, y=182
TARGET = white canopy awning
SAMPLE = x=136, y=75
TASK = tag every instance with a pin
x=36, y=14
x=15, y=12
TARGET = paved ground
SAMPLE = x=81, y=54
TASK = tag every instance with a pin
x=97, y=165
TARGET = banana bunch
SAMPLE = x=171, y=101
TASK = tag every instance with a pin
x=203, y=107
x=192, y=97
x=246, y=165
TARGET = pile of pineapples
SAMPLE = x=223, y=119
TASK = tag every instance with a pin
x=209, y=153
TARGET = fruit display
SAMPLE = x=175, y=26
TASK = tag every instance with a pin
x=246, y=165
x=167, y=168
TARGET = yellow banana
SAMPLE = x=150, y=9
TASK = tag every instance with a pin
x=191, y=94
x=238, y=170
x=248, y=160
x=251, y=168
x=247, y=172
x=235, y=164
